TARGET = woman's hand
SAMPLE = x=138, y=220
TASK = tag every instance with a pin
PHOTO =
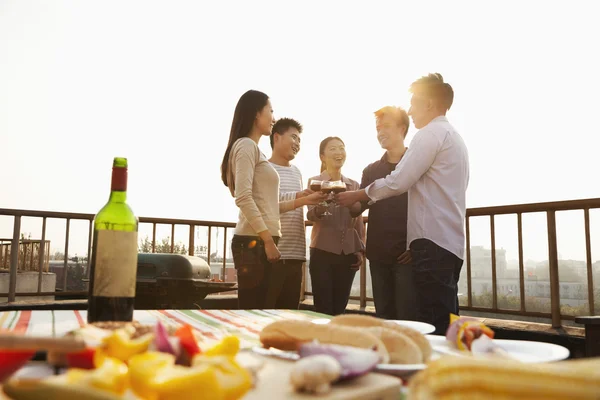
x=359, y=261
x=314, y=198
x=405, y=258
x=273, y=254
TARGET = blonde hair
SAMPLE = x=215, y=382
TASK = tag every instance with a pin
x=397, y=113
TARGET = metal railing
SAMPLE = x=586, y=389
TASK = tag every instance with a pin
x=550, y=208
x=68, y=217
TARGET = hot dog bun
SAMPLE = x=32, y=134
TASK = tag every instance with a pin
x=290, y=334
x=357, y=320
x=401, y=349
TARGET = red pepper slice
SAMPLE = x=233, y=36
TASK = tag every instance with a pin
x=187, y=339
x=82, y=359
x=12, y=360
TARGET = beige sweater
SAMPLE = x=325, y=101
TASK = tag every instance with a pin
x=255, y=185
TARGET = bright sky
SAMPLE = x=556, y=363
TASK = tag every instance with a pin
x=157, y=82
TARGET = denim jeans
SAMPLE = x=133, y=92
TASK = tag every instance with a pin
x=331, y=277
x=253, y=271
x=393, y=290
x=285, y=285
x=436, y=273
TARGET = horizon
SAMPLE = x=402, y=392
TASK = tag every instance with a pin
x=81, y=83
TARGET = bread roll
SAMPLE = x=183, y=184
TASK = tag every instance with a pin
x=290, y=334
x=357, y=320
x=401, y=348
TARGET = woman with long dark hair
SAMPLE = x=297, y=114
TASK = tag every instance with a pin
x=337, y=239
x=254, y=183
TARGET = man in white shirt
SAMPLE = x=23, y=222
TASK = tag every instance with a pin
x=435, y=172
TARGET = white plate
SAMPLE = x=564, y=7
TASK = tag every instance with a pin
x=522, y=350
x=422, y=327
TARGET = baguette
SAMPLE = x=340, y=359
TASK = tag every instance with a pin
x=466, y=378
x=290, y=334
x=401, y=348
x=357, y=320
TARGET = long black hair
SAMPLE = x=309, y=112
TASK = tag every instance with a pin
x=251, y=103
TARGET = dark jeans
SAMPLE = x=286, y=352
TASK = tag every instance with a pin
x=331, y=278
x=393, y=290
x=253, y=271
x=285, y=286
x=436, y=273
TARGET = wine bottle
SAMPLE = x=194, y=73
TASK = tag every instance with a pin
x=113, y=270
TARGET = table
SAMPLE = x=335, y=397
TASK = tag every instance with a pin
x=212, y=324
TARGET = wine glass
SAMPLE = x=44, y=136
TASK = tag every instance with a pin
x=327, y=188
x=338, y=187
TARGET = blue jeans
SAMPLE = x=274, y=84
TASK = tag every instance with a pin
x=393, y=290
x=436, y=273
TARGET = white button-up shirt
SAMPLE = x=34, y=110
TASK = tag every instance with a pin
x=435, y=172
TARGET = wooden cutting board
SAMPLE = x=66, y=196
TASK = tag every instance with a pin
x=274, y=383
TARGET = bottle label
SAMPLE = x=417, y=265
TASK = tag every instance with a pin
x=115, y=269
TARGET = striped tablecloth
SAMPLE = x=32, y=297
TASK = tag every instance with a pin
x=212, y=324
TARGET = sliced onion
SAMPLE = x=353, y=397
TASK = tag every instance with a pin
x=454, y=327
x=355, y=361
x=161, y=340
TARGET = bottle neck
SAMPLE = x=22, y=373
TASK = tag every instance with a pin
x=118, y=186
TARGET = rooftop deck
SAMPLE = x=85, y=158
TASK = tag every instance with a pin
x=549, y=304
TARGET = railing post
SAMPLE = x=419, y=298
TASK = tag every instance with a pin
x=66, y=265
x=89, y=248
x=303, y=285
x=208, y=245
x=224, y=268
x=172, y=238
x=588, y=256
x=363, y=284
x=493, y=250
x=553, y=265
x=14, y=259
x=521, y=262
x=469, y=285
x=191, y=244
x=41, y=255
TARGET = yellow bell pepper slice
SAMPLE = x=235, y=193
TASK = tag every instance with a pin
x=154, y=376
x=235, y=380
x=142, y=370
x=230, y=345
x=111, y=376
x=120, y=345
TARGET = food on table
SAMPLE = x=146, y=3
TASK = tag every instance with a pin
x=315, y=373
x=464, y=330
x=125, y=339
x=12, y=360
x=477, y=378
x=354, y=361
x=357, y=320
x=153, y=362
x=402, y=350
x=290, y=334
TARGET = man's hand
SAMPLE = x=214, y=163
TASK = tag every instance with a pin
x=405, y=258
x=359, y=261
x=347, y=199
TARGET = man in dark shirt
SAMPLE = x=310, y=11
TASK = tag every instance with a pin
x=391, y=271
